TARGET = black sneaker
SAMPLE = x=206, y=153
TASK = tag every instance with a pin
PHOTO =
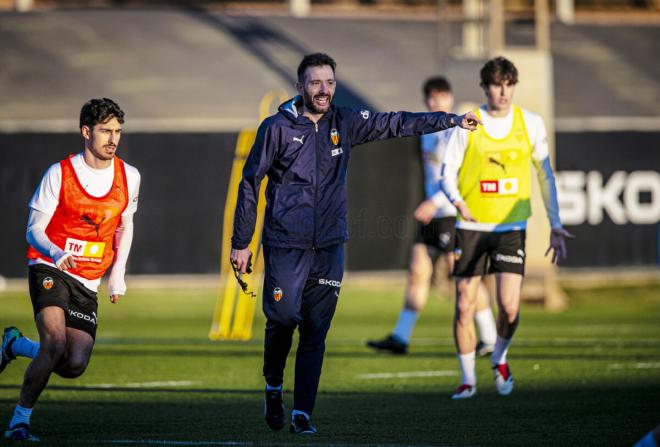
x=389, y=343
x=20, y=432
x=484, y=349
x=300, y=425
x=274, y=410
x=9, y=336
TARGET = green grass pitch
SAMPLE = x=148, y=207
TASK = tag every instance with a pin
x=587, y=376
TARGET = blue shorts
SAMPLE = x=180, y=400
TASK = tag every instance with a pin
x=292, y=277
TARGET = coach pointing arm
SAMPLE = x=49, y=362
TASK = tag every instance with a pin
x=369, y=126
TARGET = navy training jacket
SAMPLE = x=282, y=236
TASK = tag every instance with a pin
x=306, y=165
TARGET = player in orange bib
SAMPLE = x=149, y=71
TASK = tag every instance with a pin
x=80, y=225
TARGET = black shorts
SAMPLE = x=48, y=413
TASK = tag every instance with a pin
x=480, y=253
x=51, y=287
x=439, y=235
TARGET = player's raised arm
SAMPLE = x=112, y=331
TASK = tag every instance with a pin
x=368, y=126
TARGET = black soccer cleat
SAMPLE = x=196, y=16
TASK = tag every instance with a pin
x=20, y=432
x=300, y=425
x=9, y=336
x=274, y=410
x=389, y=343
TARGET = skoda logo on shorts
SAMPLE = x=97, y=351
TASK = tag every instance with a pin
x=277, y=294
x=48, y=283
x=444, y=239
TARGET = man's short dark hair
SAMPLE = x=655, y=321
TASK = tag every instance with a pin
x=314, y=60
x=97, y=111
x=436, y=84
x=499, y=71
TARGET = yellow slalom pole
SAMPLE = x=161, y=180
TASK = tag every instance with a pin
x=234, y=310
x=224, y=308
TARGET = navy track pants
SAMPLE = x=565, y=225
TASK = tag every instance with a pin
x=301, y=289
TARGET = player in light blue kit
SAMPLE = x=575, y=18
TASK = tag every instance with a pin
x=435, y=238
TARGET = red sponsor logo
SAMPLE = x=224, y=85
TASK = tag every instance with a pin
x=489, y=186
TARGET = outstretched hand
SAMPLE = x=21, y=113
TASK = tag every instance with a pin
x=558, y=238
x=469, y=121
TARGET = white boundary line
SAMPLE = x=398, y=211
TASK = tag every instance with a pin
x=406, y=375
x=538, y=342
x=245, y=443
x=165, y=442
x=640, y=365
x=166, y=383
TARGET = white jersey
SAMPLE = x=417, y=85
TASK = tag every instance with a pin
x=96, y=182
x=499, y=128
x=434, y=147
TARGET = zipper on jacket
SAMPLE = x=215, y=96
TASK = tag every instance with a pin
x=316, y=182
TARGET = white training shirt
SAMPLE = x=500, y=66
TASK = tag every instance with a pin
x=434, y=147
x=498, y=128
x=96, y=182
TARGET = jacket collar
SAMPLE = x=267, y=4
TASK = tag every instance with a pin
x=293, y=110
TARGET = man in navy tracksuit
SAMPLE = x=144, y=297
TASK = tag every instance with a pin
x=304, y=150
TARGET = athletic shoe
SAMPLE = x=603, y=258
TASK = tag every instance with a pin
x=464, y=391
x=10, y=335
x=300, y=425
x=20, y=432
x=484, y=349
x=389, y=343
x=274, y=410
x=503, y=379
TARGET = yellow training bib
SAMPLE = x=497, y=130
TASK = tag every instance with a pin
x=494, y=178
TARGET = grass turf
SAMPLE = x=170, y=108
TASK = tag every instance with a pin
x=587, y=376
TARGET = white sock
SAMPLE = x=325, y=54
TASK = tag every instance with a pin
x=25, y=347
x=273, y=388
x=21, y=416
x=486, y=324
x=466, y=362
x=405, y=325
x=498, y=357
x=296, y=412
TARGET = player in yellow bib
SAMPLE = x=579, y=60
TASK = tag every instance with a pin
x=486, y=175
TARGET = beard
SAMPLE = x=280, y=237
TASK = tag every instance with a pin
x=308, y=100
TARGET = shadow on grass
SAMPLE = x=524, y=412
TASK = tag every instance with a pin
x=580, y=416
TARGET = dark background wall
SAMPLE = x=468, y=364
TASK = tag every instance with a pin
x=184, y=185
x=609, y=186
x=185, y=180
x=178, y=225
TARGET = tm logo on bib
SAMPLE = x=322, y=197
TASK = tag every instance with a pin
x=505, y=186
x=85, y=250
